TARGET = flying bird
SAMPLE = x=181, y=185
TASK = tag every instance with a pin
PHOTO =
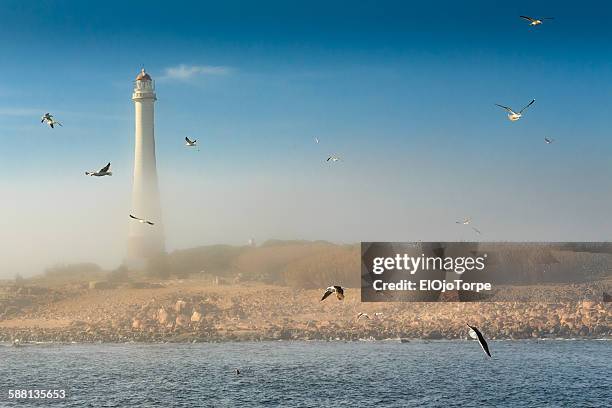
x=468, y=221
x=316, y=139
x=190, y=143
x=237, y=371
x=536, y=21
x=512, y=115
x=464, y=221
x=378, y=315
x=140, y=220
x=476, y=334
x=338, y=290
x=548, y=140
x=49, y=120
x=364, y=315
x=104, y=171
x=333, y=158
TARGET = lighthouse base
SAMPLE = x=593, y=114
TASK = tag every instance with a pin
x=142, y=251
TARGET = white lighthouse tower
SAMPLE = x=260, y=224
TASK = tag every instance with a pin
x=145, y=241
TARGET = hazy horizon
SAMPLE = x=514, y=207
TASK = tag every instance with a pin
x=402, y=93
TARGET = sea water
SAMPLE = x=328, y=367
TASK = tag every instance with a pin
x=555, y=373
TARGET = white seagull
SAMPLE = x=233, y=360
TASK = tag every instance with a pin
x=536, y=21
x=333, y=158
x=316, y=139
x=140, y=220
x=464, y=221
x=49, y=120
x=476, y=334
x=468, y=221
x=338, y=290
x=378, y=315
x=548, y=140
x=104, y=171
x=190, y=143
x=364, y=315
x=512, y=115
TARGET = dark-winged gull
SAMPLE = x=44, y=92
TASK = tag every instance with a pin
x=49, y=120
x=476, y=334
x=104, y=171
x=140, y=220
x=512, y=115
x=536, y=21
x=338, y=290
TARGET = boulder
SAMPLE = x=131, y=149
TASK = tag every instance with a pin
x=136, y=324
x=162, y=316
x=196, y=316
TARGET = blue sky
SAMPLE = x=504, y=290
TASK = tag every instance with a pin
x=403, y=92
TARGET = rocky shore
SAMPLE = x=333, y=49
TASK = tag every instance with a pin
x=191, y=311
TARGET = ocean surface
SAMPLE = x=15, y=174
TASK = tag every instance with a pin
x=555, y=373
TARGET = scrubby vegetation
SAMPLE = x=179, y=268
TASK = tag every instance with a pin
x=316, y=264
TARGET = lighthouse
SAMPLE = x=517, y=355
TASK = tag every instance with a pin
x=145, y=241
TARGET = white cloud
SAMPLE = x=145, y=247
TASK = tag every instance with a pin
x=185, y=72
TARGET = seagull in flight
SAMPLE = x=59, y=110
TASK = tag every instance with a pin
x=548, y=140
x=338, y=290
x=333, y=158
x=316, y=139
x=49, y=120
x=140, y=220
x=476, y=334
x=536, y=21
x=465, y=221
x=104, y=171
x=512, y=115
x=364, y=315
x=468, y=221
x=191, y=143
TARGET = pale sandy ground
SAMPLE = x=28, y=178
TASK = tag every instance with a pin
x=270, y=312
x=89, y=305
